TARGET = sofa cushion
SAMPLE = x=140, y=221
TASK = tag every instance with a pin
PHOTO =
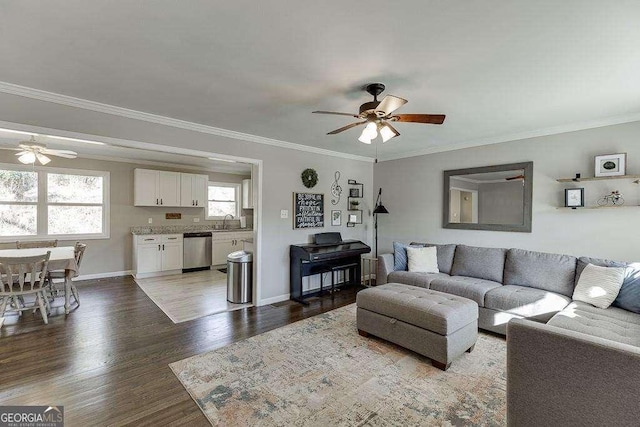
x=445, y=255
x=421, y=280
x=422, y=260
x=611, y=323
x=434, y=311
x=482, y=263
x=467, y=287
x=550, y=272
x=526, y=302
x=629, y=295
x=583, y=261
x=400, y=258
x=599, y=286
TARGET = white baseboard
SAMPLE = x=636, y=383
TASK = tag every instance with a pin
x=273, y=300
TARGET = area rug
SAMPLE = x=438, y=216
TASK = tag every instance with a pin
x=320, y=372
x=189, y=296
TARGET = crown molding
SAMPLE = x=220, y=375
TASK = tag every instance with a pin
x=85, y=104
x=572, y=127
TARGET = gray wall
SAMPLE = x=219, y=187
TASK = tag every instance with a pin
x=281, y=174
x=412, y=190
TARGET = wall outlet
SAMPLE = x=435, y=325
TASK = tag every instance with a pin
x=284, y=214
x=196, y=219
x=150, y=220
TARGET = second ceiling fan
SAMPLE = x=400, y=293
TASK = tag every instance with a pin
x=377, y=115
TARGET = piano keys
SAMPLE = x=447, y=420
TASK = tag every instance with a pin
x=327, y=252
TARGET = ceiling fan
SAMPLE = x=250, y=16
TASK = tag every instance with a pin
x=377, y=116
x=30, y=151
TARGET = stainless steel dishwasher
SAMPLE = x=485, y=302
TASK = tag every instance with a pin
x=197, y=251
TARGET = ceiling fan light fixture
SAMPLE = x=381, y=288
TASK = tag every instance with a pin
x=42, y=159
x=364, y=137
x=28, y=158
x=386, y=133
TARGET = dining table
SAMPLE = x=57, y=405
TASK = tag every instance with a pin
x=61, y=258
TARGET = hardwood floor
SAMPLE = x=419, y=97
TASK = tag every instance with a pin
x=107, y=362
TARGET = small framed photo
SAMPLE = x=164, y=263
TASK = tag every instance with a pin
x=354, y=192
x=336, y=218
x=611, y=164
x=574, y=197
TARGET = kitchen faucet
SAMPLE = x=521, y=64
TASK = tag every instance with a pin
x=224, y=221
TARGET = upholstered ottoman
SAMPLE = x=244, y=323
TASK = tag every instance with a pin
x=437, y=325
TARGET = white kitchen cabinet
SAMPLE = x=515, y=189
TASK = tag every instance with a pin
x=193, y=190
x=156, y=254
x=226, y=242
x=247, y=194
x=156, y=188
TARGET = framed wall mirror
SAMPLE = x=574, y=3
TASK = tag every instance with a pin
x=494, y=198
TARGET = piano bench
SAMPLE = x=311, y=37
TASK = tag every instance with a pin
x=347, y=267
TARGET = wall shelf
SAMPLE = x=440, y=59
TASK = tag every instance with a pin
x=600, y=207
x=598, y=178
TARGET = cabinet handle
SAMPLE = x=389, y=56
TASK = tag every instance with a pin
x=160, y=201
x=196, y=203
x=163, y=247
x=146, y=240
x=172, y=238
x=157, y=201
x=158, y=247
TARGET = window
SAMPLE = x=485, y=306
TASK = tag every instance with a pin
x=47, y=202
x=223, y=199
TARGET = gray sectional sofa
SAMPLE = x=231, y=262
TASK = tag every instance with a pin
x=506, y=283
x=568, y=362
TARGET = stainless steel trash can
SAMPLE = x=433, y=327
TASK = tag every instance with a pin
x=239, y=277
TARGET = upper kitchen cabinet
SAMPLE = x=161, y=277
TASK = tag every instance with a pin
x=156, y=188
x=193, y=190
x=247, y=194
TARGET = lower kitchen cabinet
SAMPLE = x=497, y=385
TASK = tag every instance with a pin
x=224, y=243
x=157, y=253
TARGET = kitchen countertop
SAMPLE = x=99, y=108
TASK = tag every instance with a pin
x=179, y=229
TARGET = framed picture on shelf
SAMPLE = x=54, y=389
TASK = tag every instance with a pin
x=611, y=165
x=354, y=192
x=336, y=218
x=574, y=197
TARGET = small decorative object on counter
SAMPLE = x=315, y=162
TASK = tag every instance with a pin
x=309, y=177
x=613, y=199
x=611, y=165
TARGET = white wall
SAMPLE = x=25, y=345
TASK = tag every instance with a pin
x=412, y=192
x=281, y=173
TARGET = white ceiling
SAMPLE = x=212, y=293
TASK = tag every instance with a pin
x=496, y=69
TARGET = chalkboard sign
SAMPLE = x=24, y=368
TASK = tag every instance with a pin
x=308, y=210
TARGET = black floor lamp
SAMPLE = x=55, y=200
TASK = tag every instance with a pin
x=380, y=209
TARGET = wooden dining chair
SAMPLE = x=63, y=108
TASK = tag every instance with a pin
x=22, y=276
x=37, y=244
x=78, y=251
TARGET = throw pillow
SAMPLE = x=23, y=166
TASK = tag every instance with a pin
x=423, y=260
x=599, y=286
x=629, y=296
x=400, y=256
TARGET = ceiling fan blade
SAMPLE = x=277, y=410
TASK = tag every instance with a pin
x=22, y=153
x=336, y=113
x=390, y=103
x=347, y=127
x=434, y=119
x=60, y=153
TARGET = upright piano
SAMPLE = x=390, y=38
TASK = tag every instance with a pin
x=327, y=252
